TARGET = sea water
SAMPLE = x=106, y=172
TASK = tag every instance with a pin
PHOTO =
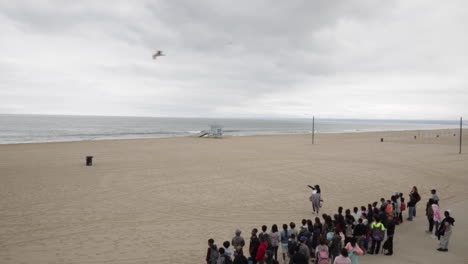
x=50, y=128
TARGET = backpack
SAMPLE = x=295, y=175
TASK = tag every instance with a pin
x=291, y=247
x=330, y=236
x=214, y=255
x=389, y=209
x=323, y=257
x=349, y=230
x=377, y=233
x=227, y=260
x=403, y=207
x=417, y=197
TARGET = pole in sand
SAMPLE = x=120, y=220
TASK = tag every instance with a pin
x=313, y=128
x=461, y=122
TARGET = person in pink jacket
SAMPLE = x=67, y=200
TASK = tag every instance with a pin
x=437, y=219
x=354, y=251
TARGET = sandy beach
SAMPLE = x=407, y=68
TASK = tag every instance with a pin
x=160, y=200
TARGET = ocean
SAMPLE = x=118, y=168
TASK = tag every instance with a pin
x=49, y=128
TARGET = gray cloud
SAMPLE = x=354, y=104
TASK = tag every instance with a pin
x=361, y=59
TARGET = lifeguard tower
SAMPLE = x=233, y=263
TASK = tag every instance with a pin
x=215, y=131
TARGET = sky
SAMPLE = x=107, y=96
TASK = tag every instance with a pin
x=389, y=59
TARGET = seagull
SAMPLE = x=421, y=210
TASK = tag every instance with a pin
x=157, y=54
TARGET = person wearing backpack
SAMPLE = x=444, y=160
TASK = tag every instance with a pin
x=377, y=230
x=354, y=251
x=322, y=255
x=298, y=257
x=414, y=199
x=269, y=258
x=335, y=244
x=212, y=253
x=291, y=247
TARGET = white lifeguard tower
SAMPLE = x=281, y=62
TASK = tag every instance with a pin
x=215, y=131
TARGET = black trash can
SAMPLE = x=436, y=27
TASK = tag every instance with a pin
x=89, y=160
x=381, y=139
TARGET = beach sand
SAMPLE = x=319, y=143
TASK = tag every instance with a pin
x=160, y=200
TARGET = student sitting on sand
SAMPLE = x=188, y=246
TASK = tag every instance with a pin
x=445, y=231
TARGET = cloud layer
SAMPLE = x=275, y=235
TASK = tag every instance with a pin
x=342, y=59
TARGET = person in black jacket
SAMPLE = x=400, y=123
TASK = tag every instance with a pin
x=414, y=199
x=390, y=233
x=360, y=231
x=254, y=244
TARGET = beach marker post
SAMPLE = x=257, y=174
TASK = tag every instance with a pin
x=461, y=130
x=313, y=128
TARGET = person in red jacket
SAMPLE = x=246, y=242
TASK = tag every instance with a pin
x=261, y=252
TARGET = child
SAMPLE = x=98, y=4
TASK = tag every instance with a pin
x=437, y=219
x=228, y=251
x=354, y=251
x=212, y=252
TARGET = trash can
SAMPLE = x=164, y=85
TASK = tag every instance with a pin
x=89, y=160
x=381, y=139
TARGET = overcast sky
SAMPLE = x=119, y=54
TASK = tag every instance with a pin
x=334, y=59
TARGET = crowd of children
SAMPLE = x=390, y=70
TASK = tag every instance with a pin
x=338, y=239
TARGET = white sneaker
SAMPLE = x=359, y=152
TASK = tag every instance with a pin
x=433, y=236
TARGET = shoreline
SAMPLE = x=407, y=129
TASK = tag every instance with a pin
x=250, y=135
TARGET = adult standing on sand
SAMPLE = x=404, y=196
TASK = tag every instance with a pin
x=315, y=198
x=445, y=231
x=414, y=199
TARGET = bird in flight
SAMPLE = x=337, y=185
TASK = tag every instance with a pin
x=157, y=54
